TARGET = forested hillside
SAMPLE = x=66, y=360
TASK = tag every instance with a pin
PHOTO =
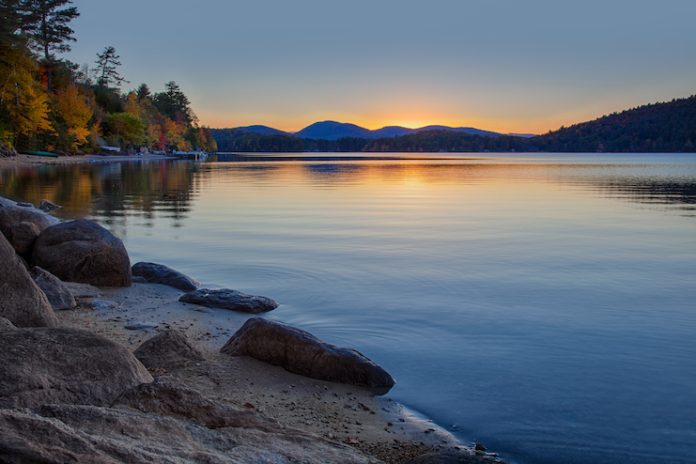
x=50, y=103
x=659, y=127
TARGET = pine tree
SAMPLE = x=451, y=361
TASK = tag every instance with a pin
x=107, y=68
x=46, y=23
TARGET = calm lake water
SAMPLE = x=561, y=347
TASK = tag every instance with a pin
x=543, y=304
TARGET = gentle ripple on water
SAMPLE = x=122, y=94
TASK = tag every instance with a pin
x=543, y=304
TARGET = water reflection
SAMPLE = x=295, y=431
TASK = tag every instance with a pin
x=114, y=192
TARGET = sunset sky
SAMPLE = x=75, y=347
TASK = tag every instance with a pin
x=508, y=66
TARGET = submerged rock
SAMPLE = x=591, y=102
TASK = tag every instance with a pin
x=48, y=206
x=229, y=299
x=302, y=353
x=169, y=349
x=43, y=365
x=22, y=302
x=22, y=225
x=83, y=251
x=55, y=290
x=160, y=274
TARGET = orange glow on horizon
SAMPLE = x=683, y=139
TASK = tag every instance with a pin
x=291, y=125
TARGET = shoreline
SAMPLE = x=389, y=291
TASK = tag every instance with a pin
x=29, y=160
x=340, y=415
x=348, y=414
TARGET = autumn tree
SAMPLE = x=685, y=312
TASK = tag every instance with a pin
x=74, y=112
x=23, y=102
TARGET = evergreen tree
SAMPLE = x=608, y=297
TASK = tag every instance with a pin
x=107, y=68
x=46, y=23
x=174, y=104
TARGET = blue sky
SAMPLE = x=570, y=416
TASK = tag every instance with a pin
x=510, y=66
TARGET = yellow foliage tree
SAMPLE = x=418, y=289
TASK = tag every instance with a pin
x=22, y=99
x=75, y=111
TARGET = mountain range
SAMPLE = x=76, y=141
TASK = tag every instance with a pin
x=333, y=130
x=665, y=127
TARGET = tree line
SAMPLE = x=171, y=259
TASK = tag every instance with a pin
x=50, y=103
x=668, y=127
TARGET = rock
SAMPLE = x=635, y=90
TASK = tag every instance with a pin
x=43, y=365
x=80, y=291
x=83, y=251
x=302, y=353
x=229, y=299
x=160, y=274
x=48, y=206
x=139, y=325
x=58, y=434
x=169, y=349
x=5, y=324
x=170, y=400
x=21, y=301
x=57, y=293
x=451, y=457
x=22, y=225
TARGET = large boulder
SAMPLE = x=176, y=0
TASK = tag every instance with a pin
x=61, y=433
x=42, y=365
x=22, y=225
x=229, y=299
x=55, y=290
x=169, y=349
x=83, y=251
x=21, y=300
x=160, y=274
x=302, y=353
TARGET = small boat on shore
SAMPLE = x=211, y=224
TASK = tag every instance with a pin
x=46, y=154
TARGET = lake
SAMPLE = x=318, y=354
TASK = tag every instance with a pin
x=543, y=304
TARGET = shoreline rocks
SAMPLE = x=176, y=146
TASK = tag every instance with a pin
x=22, y=225
x=302, y=353
x=83, y=251
x=55, y=290
x=229, y=299
x=22, y=302
x=61, y=365
x=154, y=273
x=168, y=349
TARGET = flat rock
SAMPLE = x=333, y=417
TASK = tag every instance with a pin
x=55, y=290
x=83, y=251
x=229, y=299
x=22, y=302
x=22, y=225
x=160, y=274
x=44, y=365
x=176, y=401
x=302, y=353
x=169, y=349
x=453, y=457
x=61, y=433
